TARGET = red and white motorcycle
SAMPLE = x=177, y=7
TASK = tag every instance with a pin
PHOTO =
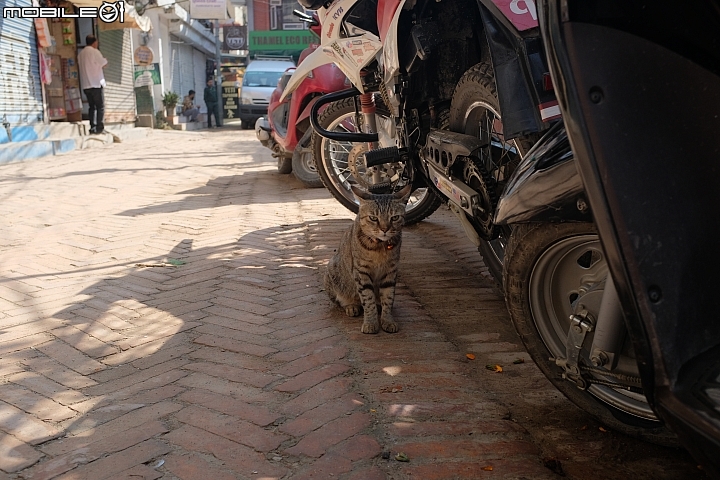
x=442, y=99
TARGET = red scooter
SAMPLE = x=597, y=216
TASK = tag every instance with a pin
x=286, y=130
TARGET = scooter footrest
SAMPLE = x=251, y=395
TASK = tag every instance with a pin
x=381, y=156
x=384, y=188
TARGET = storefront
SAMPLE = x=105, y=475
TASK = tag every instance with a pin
x=63, y=93
x=65, y=99
x=21, y=98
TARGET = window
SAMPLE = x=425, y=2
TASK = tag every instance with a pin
x=281, y=15
x=261, y=79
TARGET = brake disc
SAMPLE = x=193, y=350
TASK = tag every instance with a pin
x=389, y=173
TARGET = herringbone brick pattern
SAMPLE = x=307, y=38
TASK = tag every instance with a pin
x=161, y=316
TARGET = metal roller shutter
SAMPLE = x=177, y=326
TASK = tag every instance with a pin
x=119, y=90
x=187, y=72
x=20, y=90
x=175, y=64
x=183, y=68
x=199, y=66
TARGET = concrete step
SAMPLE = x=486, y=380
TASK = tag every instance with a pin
x=19, y=151
x=178, y=119
x=190, y=126
x=35, y=141
x=128, y=134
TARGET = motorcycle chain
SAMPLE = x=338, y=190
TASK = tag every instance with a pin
x=487, y=230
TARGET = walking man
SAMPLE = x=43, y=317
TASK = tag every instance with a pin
x=210, y=97
x=91, y=63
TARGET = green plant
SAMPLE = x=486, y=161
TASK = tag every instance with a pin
x=161, y=122
x=170, y=99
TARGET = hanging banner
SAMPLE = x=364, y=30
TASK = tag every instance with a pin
x=234, y=37
x=208, y=9
x=147, y=75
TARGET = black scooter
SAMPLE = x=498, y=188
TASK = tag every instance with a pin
x=610, y=270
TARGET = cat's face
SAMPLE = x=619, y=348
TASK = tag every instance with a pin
x=382, y=216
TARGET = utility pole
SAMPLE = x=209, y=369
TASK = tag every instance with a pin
x=218, y=75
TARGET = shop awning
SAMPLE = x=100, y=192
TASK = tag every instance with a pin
x=132, y=18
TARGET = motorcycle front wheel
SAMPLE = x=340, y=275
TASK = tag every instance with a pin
x=549, y=270
x=339, y=169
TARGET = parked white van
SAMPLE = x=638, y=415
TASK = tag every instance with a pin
x=260, y=79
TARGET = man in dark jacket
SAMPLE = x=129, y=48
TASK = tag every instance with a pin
x=210, y=97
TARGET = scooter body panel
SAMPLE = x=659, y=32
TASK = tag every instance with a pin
x=546, y=186
x=293, y=110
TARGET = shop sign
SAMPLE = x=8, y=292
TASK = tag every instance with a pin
x=268, y=40
x=208, y=9
x=234, y=37
x=147, y=75
x=143, y=55
x=230, y=100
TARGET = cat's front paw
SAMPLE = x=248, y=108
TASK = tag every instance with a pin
x=368, y=327
x=389, y=326
x=353, y=310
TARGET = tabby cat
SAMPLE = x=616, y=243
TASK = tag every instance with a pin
x=361, y=275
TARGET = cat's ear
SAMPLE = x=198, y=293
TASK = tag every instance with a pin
x=404, y=194
x=361, y=194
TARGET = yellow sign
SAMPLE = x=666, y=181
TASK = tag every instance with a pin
x=143, y=56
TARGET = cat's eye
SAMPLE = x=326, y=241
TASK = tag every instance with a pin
x=373, y=218
x=395, y=218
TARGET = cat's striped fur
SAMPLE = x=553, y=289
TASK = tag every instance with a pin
x=361, y=275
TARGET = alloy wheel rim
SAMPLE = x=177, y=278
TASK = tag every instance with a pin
x=560, y=275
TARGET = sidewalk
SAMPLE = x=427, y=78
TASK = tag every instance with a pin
x=161, y=316
x=60, y=138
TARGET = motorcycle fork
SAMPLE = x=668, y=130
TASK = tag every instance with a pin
x=609, y=334
x=609, y=329
x=368, y=109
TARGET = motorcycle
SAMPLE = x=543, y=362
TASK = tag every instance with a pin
x=639, y=89
x=449, y=96
x=571, y=298
x=286, y=129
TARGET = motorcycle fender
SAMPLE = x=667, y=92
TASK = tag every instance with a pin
x=316, y=59
x=306, y=112
x=546, y=186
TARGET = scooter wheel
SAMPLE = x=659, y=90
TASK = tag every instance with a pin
x=303, y=164
x=284, y=165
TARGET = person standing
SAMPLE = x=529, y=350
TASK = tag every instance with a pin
x=210, y=97
x=91, y=63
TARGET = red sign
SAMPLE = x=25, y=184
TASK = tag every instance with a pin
x=521, y=13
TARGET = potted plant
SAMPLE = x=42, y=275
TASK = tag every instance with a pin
x=170, y=101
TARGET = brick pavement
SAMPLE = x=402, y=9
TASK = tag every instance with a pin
x=225, y=360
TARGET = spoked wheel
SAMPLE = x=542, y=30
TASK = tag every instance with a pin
x=475, y=110
x=340, y=164
x=551, y=272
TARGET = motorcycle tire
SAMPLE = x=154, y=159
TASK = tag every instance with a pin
x=533, y=250
x=303, y=164
x=424, y=207
x=475, y=88
x=284, y=165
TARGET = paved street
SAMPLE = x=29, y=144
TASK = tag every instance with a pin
x=161, y=316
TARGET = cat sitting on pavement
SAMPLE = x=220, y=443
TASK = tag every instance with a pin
x=361, y=275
